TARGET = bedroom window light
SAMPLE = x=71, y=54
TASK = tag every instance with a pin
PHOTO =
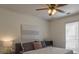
x=72, y=36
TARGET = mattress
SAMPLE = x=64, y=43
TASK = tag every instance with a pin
x=50, y=50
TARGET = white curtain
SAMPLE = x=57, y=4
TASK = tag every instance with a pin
x=72, y=36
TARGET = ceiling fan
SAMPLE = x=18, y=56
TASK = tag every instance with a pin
x=53, y=8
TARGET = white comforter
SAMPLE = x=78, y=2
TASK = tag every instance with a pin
x=50, y=50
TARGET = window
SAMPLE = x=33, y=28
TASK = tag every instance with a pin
x=72, y=36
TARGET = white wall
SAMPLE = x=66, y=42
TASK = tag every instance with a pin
x=57, y=31
x=10, y=23
x=10, y=26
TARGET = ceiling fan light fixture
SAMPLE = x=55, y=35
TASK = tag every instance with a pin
x=54, y=11
x=49, y=11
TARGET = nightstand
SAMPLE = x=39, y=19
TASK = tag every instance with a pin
x=6, y=51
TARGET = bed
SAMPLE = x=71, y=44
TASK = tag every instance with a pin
x=50, y=50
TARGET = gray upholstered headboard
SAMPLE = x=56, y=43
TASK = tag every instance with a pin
x=29, y=46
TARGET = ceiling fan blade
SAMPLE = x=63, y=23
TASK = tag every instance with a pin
x=60, y=11
x=60, y=5
x=42, y=9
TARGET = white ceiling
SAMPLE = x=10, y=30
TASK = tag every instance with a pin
x=30, y=9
